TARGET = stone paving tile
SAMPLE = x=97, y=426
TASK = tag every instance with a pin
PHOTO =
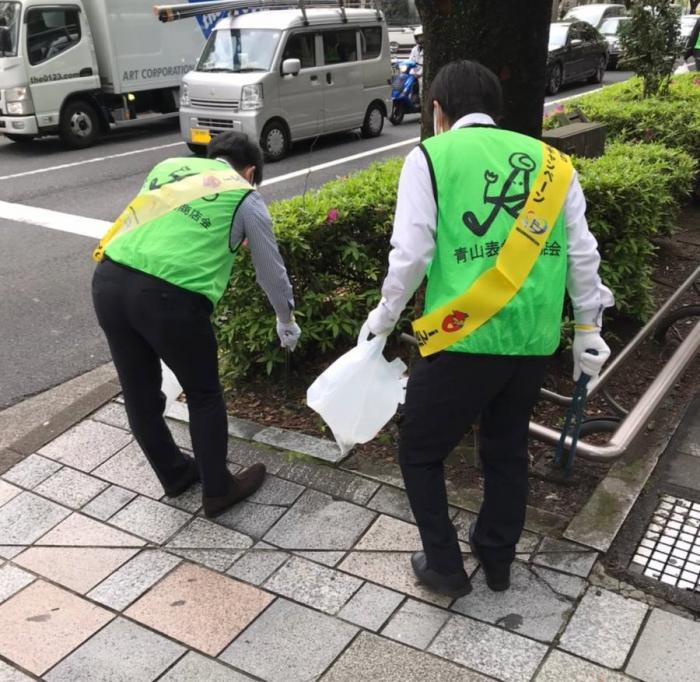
x=31, y=471
x=113, y=414
x=77, y=568
x=393, y=570
x=527, y=544
x=331, y=559
x=245, y=454
x=12, y=580
x=82, y=531
x=10, y=551
x=243, y=428
x=668, y=649
x=380, y=660
x=532, y=606
x=389, y=500
x=121, y=652
x=108, y=503
x=43, y=623
x=489, y=650
x=194, y=606
x=252, y=519
x=320, y=448
x=323, y=588
x=130, y=469
x=561, y=667
x=371, y=606
x=205, y=534
x=335, y=482
x=189, y=501
x=181, y=433
x=129, y=582
x=565, y=556
x=7, y=492
x=416, y=623
x=27, y=517
x=70, y=488
x=289, y=643
x=86, y=445
x=318, y=522
x=216, y=559
x=257, y=565
x=388, y=534
x=197, y=668
x=10, y=674
x=276, y=491
x=603, y=628
x=152, y=520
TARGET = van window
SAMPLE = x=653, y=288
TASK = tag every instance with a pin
x=371, y=42
x=339, y=46
x=301, y=46
x=50, y=32
x=239, y=50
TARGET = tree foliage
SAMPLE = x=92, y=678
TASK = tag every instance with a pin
x=651, y=43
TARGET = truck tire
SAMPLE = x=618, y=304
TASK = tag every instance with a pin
x=274, y=140
x=198, y=149
x=374, y=121
x=20, y=139
x=79, y=126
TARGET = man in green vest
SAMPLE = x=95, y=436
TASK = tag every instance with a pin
x=694, y=45
x=165, y=264
x=496, y=221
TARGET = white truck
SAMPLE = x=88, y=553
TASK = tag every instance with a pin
x=81, y=67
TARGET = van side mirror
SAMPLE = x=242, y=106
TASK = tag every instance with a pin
x=5, y=39
x=291, y=67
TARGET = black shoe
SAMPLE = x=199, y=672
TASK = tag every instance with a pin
x=190, y=477
x=453, y=584
x=497, y=575
x=241, y=485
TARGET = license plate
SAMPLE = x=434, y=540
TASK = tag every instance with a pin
x=200, y=136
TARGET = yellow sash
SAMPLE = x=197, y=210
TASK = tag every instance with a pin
x=156, y=203
x=494, y=289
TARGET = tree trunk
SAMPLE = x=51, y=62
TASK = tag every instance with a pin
x=694, y=6
x=508, y=37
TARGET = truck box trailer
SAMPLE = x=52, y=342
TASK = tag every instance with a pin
x=81, y=67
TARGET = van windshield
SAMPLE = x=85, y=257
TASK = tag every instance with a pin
x=239, y=50
x=9, y=28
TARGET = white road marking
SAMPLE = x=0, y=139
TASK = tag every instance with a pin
x=54, y=220
x=97, y=159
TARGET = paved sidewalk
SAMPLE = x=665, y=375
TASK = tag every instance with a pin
x=103, y=578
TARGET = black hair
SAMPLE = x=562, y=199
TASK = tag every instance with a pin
x=466, y=87
x=239, y=150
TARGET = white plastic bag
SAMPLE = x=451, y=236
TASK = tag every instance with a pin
x=170, y=386
x=359, y=393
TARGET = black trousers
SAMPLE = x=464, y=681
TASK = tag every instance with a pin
x=146, y=319
x=446, y=394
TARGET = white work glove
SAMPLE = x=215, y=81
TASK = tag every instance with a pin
x=379, y=322
x=588, y=363
x=289, y=333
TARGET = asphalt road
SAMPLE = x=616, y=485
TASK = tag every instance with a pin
x=48, y=332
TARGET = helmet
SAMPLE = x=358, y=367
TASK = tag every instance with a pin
x=418, y=32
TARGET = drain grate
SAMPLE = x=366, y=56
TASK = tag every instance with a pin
x=670, y=549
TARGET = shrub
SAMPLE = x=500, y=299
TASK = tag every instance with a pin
x=335, y=242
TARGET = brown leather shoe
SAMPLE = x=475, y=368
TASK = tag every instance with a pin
x=241, y=485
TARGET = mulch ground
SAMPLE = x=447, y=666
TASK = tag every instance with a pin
x=284, y=405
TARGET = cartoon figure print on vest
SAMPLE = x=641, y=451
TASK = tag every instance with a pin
x=511, y=197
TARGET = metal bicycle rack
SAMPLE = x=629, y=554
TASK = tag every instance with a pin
x=634, y=420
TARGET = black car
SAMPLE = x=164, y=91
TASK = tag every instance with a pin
x=577, y=52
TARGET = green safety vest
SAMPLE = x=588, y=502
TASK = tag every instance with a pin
x=481, y=179
x=697, y=43
x=188, y=246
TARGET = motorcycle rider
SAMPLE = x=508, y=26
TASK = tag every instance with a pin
x=417, y=57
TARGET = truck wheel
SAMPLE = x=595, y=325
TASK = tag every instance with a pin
x=80, y=125
x=198, y=149
x=20, y=139
x=275, y=141
x=374, y=121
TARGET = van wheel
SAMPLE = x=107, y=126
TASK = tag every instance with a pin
x=374, y=121
x=79, y=126
x=20, y=139
x=275, y=141
x=198, y=149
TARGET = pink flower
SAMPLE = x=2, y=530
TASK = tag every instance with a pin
x=332, y=216
x=559, y=108
x=696, y=81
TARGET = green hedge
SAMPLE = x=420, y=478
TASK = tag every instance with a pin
x=673, y=120
x=335, y=242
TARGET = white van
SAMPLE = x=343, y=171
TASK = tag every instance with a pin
x=286, y=75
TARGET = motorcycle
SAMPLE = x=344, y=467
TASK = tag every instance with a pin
x=405, y=91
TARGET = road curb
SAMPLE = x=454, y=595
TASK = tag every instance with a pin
x=29, y=425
